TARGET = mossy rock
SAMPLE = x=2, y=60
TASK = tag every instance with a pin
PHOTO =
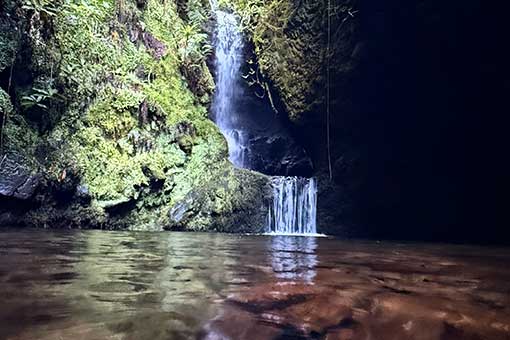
x=132, y=138
x=291, y=46
x=235, y=200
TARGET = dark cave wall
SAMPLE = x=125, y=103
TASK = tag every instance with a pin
x=425, y=132
x=416, y=117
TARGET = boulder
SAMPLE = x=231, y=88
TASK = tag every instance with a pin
x=235, y=200
x=18, y=178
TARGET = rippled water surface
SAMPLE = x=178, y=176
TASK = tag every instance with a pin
x=122, y=285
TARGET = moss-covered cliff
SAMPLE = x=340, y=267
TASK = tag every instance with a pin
x=295, y=46
x=290, y=40
x=105, y=110
x=414, y=88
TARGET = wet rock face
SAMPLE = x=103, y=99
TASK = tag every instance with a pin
x=17, y=178
x=273, y=149
x=279, y=155
x=236, y=201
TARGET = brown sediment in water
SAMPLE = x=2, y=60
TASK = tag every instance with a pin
x=94, y=285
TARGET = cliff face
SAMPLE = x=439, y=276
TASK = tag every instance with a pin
x=294, y=53
x=410, y=82
x=104, y=106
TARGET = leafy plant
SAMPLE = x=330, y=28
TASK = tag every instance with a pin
x=40, y=6
x=40, y=98
x=194, y=46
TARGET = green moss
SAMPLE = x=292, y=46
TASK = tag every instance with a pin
x=169, y=93
x=290, y=40
x=118, y=156
x=8, y=43
x=207, y=158
x=114, y=112
x=5, y=102
x=18, y=135
x=133, y=124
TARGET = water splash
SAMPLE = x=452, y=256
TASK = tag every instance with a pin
x=293, y=211
x=228, y=48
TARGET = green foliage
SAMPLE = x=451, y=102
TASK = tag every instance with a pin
x=249, y=11
x=168, y=92
x=5, y=110
x=111, y=172
x=194, y=47
x=117, y=154
x=41, y=98
x=5, y=102
x=292, y=56
x=114, y=111
x=41, y=6
x=8, y=45
x=130, y=124
x=17, y=134
x=87, y=52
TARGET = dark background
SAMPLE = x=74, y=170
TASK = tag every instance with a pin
x=423, y=152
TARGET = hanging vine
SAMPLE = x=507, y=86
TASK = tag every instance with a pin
x=6, y=113
x=348, y=12
x=328, y=57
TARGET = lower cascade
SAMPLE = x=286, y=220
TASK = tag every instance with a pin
x=293, y=210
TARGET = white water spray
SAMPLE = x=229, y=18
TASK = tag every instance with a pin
x=293, y=211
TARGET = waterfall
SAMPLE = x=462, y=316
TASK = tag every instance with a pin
x=293, y=207
x=293, y=210
x=228, y=48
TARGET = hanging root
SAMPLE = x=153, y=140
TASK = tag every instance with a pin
x=270, y=98
x=328, y=58
x=5, y=114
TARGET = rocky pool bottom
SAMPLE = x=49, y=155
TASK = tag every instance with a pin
x=137, y=286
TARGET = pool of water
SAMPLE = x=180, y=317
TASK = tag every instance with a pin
x=126, y=285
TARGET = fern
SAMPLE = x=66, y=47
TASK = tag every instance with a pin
x=40, y=6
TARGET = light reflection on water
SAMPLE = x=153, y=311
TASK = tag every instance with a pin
x=294, y=258
x=151, y=286
x=108, y=282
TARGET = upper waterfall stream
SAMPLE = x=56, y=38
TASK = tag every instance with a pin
x=228, y=48
x=293, y=210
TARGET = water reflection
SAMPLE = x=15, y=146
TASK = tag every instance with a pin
x=141, y=286
x=117, y=271
x=194, y=270
x=294, y=258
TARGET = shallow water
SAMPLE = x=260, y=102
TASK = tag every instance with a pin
x=126, y=285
